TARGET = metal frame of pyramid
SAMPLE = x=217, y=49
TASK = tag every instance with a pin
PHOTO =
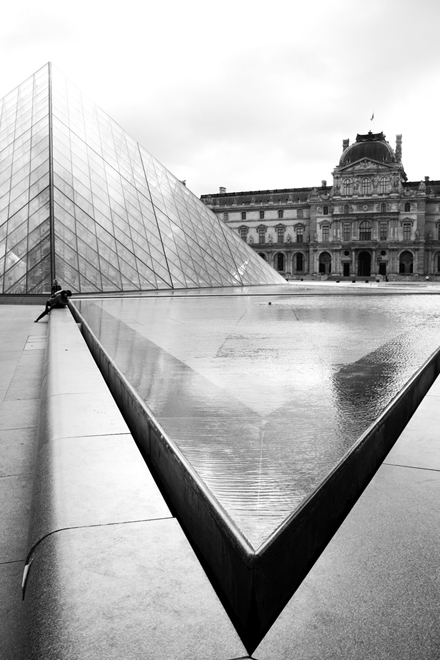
x=83, y=202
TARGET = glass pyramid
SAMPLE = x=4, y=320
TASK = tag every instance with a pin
x=82, y=202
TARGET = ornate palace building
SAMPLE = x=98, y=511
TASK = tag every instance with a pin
x=372, y=222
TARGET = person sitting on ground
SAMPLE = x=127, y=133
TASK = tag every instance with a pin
x=58, y=299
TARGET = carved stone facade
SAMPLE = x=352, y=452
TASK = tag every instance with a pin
x=371, y=223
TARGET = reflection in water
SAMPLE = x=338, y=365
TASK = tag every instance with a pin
x=264, y=400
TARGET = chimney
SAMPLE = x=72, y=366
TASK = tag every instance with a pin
x=222, y=190
x=323, y=183
x=399, y=148
x=345, y=144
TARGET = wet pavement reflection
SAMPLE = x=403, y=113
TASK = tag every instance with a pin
x=265, y=399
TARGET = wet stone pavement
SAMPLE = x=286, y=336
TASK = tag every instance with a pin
x=264, y=399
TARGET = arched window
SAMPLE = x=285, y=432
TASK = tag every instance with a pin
x=384, y=185
x=280, y=213
x=383, y=207
x=325, y=263
x=407, y=207
x=325, y=233
x=346, y=209
x=347, y=187
x=366, y=186
x=243, y=215
x=262, y=255
x=299, y=262
x=261, y=215
x=279, y=261
x=438, y=262
x=325, y=210
x=406, y=263
x=365, y=231
x=346, y=232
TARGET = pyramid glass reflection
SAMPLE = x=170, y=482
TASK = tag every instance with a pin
x=83, y=202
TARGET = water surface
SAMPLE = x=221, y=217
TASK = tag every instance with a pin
x=264, y=399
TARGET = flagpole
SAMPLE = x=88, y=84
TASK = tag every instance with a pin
x=372, y=119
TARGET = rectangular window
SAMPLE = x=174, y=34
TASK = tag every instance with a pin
x=299, y=234
x=406, y=231
x=261, y=236
x=346, y=232
x=383, y=232
x=280, y=235
x=325, y=233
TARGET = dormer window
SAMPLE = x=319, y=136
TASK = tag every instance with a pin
x=261, y=215
x=325, y=210
x=280, y=213
x=243, y=215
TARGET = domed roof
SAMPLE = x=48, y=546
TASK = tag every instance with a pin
x=371, y=145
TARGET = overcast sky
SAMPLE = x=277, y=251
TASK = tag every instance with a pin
x=241, y=94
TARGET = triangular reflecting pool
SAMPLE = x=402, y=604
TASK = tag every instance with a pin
x=262, y=403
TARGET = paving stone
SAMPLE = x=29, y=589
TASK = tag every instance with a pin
x=374, y=592
x=131, y=591
x=418, y=446
x=95, y=480
x=82, y=414
x=24, y=388
x=11, y=612
x=15, y=501
x=19, y=414
x=17, y=451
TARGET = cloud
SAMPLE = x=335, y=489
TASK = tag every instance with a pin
x=230, y=95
